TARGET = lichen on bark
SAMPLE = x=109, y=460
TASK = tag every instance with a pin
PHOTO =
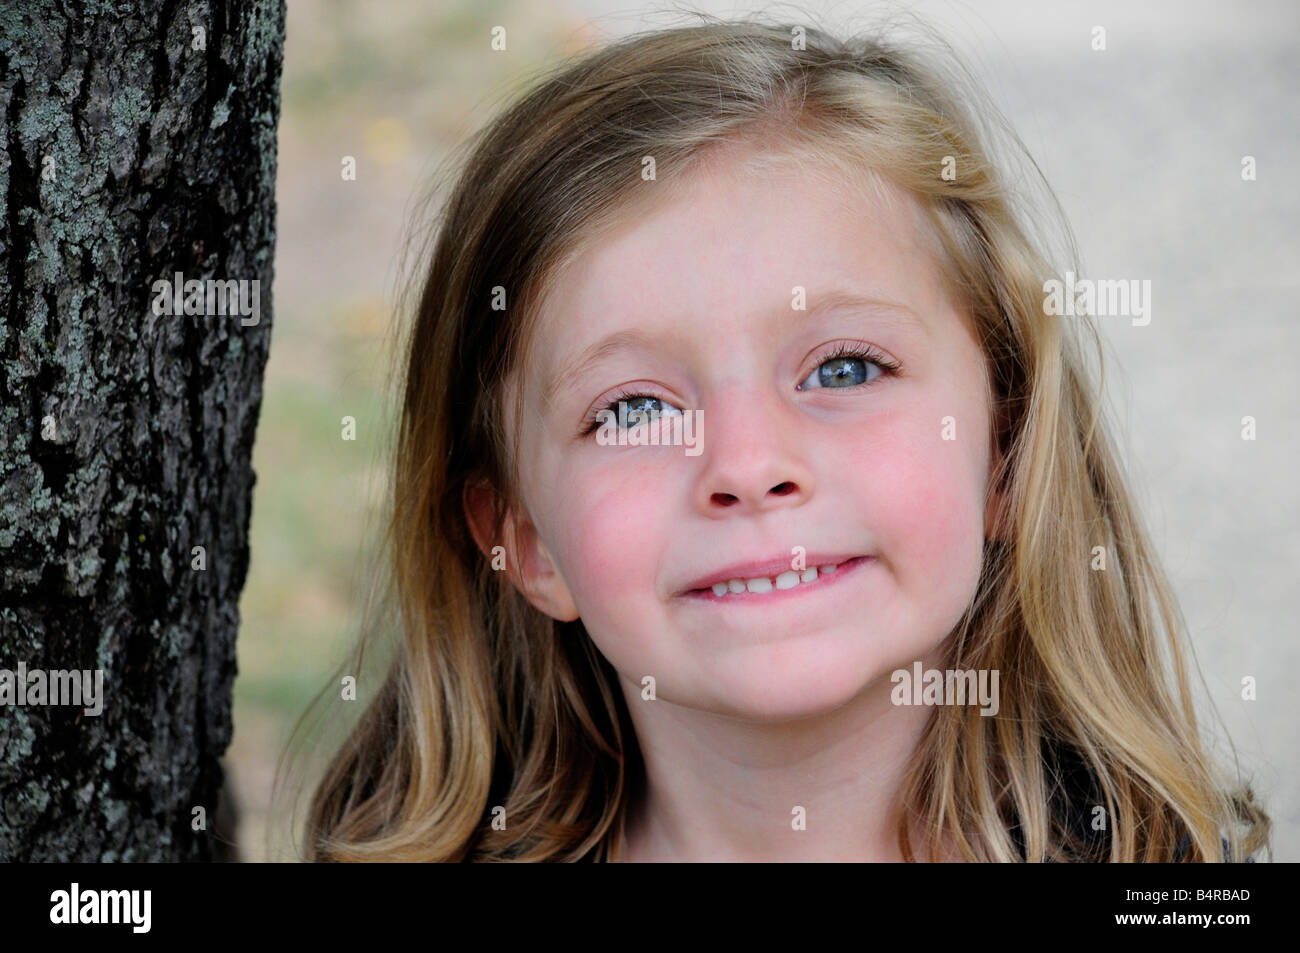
x=128, y=152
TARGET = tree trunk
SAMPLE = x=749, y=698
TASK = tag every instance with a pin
x=137, y=141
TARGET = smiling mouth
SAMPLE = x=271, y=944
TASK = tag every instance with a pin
x=767, y=587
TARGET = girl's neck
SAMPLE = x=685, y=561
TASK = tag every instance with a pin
x=817, y=789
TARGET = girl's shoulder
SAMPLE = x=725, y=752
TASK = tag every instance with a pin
x=1075, y=797
x=1185, y=844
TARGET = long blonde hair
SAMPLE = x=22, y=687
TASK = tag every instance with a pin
x=489, y=703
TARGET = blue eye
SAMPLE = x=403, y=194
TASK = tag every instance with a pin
x=849, y=366
x=642, y=409
x=639, y=409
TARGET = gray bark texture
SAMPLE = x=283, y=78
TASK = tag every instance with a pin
x=137, y=140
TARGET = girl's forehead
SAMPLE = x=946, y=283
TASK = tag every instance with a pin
x=737, y=225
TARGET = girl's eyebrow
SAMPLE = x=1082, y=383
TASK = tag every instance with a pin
x=839, y=300
x=570, y=373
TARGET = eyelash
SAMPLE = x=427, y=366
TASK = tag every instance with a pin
x=864, y=352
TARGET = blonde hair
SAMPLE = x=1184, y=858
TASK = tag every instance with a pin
x=488, y=702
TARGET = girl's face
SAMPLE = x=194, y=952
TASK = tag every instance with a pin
x=877, y=460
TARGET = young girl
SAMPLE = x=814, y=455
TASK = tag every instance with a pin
x=883, y=597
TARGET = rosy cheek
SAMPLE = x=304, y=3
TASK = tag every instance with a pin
x=608, y=528
x=924, y=506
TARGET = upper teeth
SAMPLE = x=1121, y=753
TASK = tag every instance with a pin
x=786, y=580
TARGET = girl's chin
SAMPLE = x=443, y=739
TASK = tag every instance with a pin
x=792, y=698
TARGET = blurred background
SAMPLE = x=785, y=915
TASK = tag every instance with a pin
x=1142, y=143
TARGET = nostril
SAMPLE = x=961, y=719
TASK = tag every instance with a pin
x=725, y=499
x=783, y=489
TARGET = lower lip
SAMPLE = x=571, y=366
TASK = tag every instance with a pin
x=824, y=581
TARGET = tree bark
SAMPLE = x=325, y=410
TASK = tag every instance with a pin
x=137, y=141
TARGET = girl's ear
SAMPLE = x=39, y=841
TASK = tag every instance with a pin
x=527, y=560
x=479, y=500
x=995, y=526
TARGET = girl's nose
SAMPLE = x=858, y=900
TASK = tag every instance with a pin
x=755, y=457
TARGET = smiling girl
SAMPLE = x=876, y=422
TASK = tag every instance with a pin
x=617, y=650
